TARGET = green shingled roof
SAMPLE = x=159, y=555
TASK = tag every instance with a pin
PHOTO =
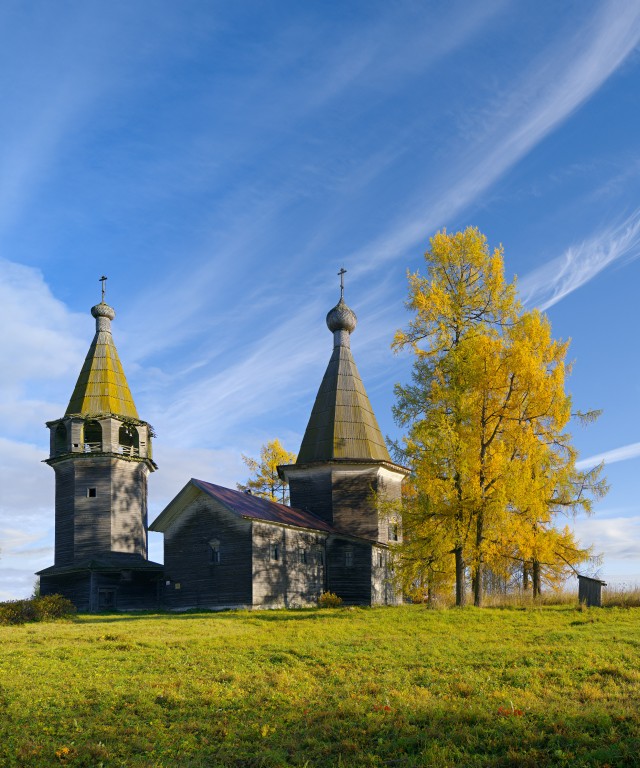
x=342, y=424
x=102, y=386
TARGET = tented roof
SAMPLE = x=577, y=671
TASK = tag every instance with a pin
x=102, y=387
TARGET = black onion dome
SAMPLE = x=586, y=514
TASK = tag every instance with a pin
x=341, y=318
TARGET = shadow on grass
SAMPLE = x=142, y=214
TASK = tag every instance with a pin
x=245, y=731
x=275, y=615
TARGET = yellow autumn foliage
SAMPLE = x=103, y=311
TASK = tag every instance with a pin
x=486, y=415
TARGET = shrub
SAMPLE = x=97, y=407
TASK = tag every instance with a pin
x=329, y=600
x=53, y=607
x=17, y=612
x=36, y=609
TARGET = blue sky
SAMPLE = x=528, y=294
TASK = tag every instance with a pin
x=221, y=161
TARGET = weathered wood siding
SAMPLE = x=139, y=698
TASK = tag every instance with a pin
x=73, y=586
x=349, y=570
x=344, y=496
x=92, y=592
x=194, y=579
x=385, y=589
x=354, y=510
x=114, y=520
x=288, y=566
x=64, y=516
x=590, y=591
x=129, y=506
x=312, y=492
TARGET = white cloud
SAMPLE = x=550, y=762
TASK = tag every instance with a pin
x=616, y=538
x=15, y=583
x=625, y=452
x=41, y=342
x=580, y=263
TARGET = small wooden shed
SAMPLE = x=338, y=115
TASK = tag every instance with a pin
x=590, y=591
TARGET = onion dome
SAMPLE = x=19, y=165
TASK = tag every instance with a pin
x=341, y=318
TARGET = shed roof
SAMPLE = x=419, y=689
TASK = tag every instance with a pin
x=243, y=505
x=102, y=387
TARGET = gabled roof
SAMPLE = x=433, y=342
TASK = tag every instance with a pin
x=102, y=387
x=241, y=504
x=342, y=425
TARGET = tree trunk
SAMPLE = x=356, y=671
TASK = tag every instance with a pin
x=477, y=577
x=525, y=576
x=477, y=584
x=537, y=591
x=460, y=580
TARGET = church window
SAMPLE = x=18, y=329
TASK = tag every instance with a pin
x=348, y=558
x=320, y=556
x=92, y=493
x=275, y=551
x=380, y=559
x=302, y=556
x=393, y=532
x=214, y=552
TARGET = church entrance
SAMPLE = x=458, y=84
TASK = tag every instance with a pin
x=106, y=599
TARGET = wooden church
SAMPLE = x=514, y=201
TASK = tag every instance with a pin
x=222, y=548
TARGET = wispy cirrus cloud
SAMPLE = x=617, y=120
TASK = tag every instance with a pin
x=580, y=263
x=555, y=86
x=625, y=452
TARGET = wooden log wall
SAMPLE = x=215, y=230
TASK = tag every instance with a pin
x=288, y=566
x=197, y=581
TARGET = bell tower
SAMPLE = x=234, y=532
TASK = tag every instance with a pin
x=101, y=453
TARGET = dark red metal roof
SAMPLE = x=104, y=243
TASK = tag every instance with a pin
x=247, y=505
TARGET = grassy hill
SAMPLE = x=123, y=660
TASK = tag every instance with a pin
x=361, y=687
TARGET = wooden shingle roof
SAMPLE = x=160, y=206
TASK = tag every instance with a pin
x=342, y=425
x=102, y=387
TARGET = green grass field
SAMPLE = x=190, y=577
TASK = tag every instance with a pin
x=362, y=687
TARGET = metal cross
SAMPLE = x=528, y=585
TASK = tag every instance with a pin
x=342, y=273
x=102, y=280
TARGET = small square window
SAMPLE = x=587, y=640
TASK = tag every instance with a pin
x=92, y=493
